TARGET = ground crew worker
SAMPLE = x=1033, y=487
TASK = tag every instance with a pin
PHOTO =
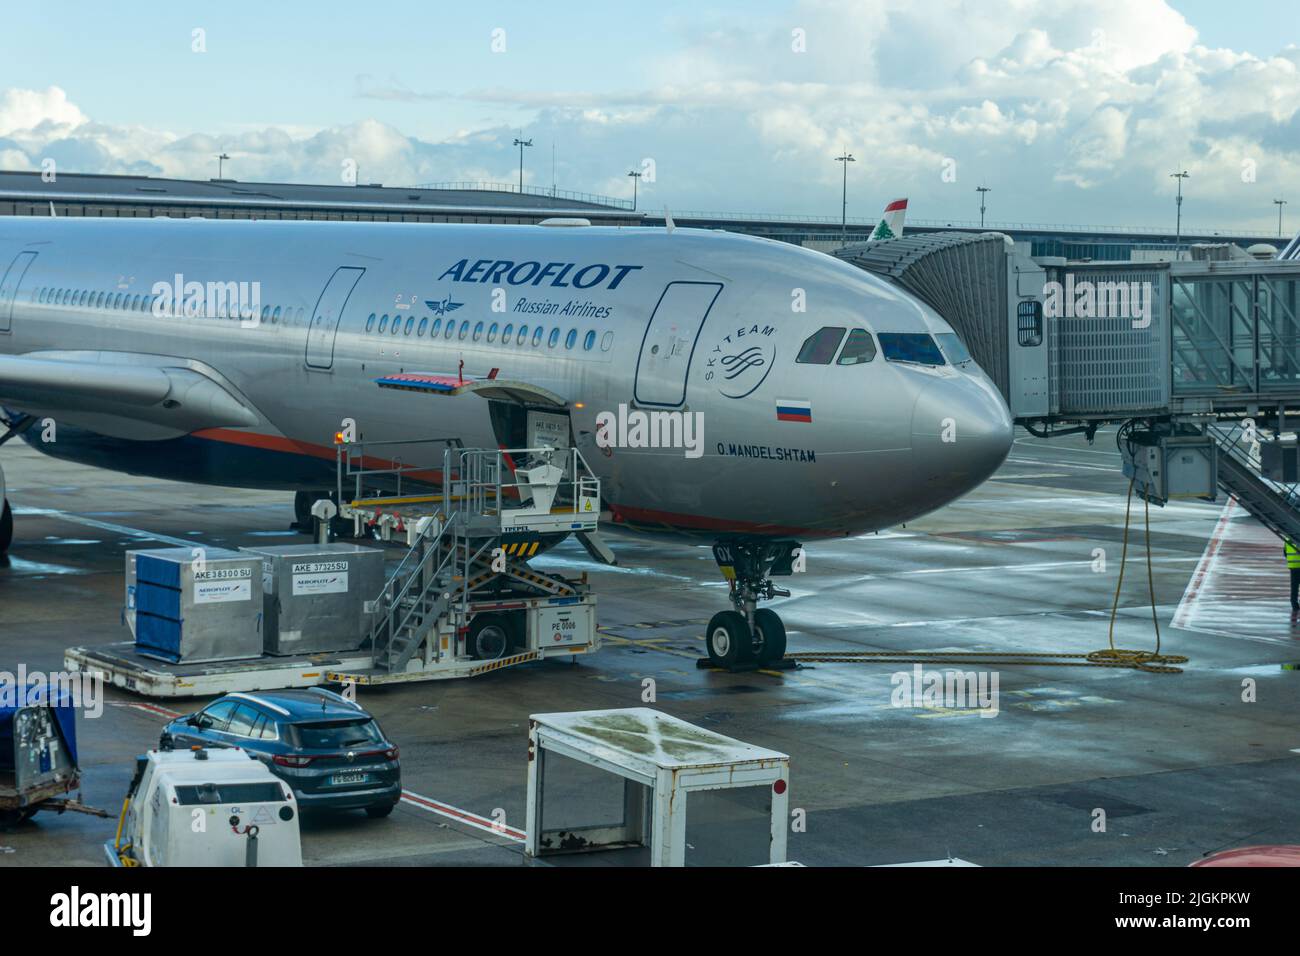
x=1293, y=563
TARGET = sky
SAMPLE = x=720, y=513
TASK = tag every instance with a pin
x=1070, y=112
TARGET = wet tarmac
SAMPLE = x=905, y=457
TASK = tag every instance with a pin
x=1177, y=765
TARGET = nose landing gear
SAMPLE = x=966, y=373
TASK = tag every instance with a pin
x=749, y=635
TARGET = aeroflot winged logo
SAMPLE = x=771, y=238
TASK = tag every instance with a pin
x=531, y=272
x=442, y=306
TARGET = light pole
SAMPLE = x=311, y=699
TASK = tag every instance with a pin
x=221, y=161
x=846, y=158
x=636, y=176
x=1279, y=203
x=521, y=143
x=1178, y=222
x=982, y=190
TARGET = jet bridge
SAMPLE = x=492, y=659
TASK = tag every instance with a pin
x=1200, y=360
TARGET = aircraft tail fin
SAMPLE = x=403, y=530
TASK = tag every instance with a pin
x=891, y=222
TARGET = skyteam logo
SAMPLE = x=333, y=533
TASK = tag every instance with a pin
x=443, y=306
x=741, y=361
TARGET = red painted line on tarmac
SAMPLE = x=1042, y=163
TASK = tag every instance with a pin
x=461, y=816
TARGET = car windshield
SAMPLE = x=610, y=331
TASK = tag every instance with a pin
x=330, y=734
x=953, y=348
x=915, y=347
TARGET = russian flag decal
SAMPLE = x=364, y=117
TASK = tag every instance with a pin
x=793, y=410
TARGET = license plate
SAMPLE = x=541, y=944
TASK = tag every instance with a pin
x=349, y=778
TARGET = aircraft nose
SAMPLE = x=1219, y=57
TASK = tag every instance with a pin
x=961, y=433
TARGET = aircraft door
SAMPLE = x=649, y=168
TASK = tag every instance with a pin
x=325, y=319
x=669, y=342
x=9, y=286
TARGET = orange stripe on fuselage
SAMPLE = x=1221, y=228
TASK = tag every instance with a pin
x=230, y=436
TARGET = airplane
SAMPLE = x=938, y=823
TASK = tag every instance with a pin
x=891, y=222
x=832, y=402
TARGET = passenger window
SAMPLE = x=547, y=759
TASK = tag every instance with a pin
x=242, y=720
x=266, y=314
x=451, y=329
x=537, y=336
x=554, y=340
x=370, y=322
x=410, y=324
x=275, y=316
x=218, y=715
x=508, y=331
x=383, y=323
x=492, y=332
x=588, y=341
x=820, y=347
x=117, y=301
x=397, y=324
x=523, y=335
x=437, y=327
x=606, y=341
x=464, y=331
x=858, y=349
x=571, y=338
x=424, y=324
x=478, y=331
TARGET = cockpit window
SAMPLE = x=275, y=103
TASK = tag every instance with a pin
x=915, y=347
x=858, y=349
x=953, y=348
x=819, y=348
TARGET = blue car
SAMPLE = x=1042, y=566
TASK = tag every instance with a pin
x=325, y=747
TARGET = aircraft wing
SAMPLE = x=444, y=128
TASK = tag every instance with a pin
x=118, y=394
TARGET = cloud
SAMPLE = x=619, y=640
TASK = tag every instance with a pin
x=1060, y=105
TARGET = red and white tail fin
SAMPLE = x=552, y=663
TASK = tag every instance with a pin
x=891, y=223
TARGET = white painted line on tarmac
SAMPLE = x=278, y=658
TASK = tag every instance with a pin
x=462, y=816
x=107, y=526
x=1204, y=568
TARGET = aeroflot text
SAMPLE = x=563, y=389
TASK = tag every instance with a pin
x=640, y=429
x=497, y=271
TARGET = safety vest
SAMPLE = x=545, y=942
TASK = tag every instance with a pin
x=1292, y=555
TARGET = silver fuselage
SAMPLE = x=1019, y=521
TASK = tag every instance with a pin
x=887, y=441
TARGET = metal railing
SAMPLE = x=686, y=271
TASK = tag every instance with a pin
x=413, y=584
x=480, y=484
x=350, y=458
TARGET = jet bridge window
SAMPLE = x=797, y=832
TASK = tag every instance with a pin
x=820, y=347
x=858, y=349
x=914, y=347
x=1029, y=323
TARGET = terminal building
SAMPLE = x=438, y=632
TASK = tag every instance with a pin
x=76, y=194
